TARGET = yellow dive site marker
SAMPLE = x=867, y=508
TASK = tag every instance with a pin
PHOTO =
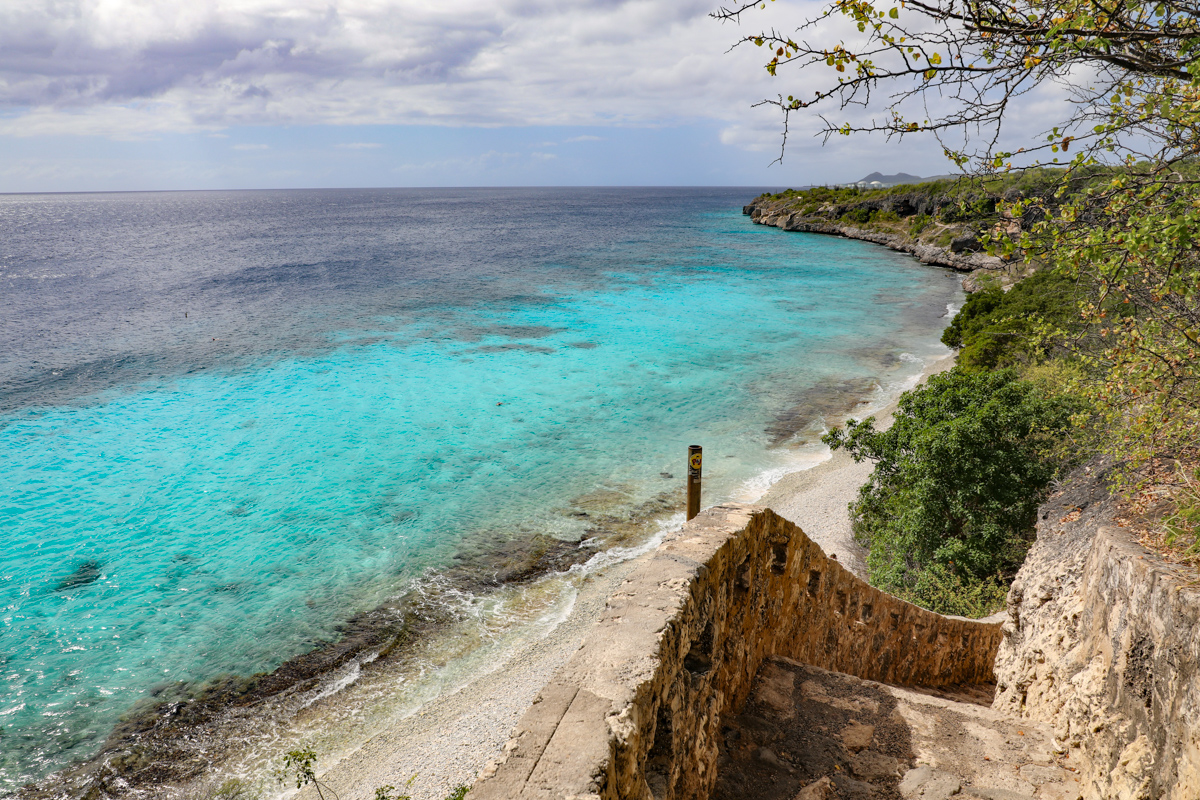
x=695, y=453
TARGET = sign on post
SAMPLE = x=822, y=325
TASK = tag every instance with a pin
x=695, y=457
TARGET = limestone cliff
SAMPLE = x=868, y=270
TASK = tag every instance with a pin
x=1103, y=641
x=949, y=245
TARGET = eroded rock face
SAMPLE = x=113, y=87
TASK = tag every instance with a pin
x=636, y=713
x=779, y=214
x=1103, y=642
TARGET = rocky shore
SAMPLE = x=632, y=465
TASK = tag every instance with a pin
x=168, y=746
x=956, y=246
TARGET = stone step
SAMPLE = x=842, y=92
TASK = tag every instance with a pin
x=810, y=734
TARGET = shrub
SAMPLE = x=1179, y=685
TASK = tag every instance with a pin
x=975, y=312
x=947, y=593
x=957, y=482
x=1002, y=329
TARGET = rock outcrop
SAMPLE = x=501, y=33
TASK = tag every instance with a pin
x=961, y=254
x=636, y=713
x=1103, y=642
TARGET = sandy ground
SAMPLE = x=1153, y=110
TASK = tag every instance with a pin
x=457, y=734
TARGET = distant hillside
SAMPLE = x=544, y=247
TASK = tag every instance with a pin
x=899, y=177
x=902, y=178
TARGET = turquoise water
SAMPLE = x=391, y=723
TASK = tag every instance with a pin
x=215, y=513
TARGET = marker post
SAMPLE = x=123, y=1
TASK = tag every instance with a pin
x=695, y=457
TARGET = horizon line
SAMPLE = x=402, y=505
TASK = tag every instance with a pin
x=395, y=188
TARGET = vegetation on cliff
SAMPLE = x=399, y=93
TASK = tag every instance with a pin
x=1102, y=208
x=997, y=329
x=939, y=213
x=1094, y=309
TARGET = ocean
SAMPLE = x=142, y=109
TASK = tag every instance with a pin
x=232, y=421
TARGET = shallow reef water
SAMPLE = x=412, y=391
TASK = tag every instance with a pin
x=234, y=425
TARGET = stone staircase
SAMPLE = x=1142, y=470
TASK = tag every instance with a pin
x=810, y=734
x=640, y=711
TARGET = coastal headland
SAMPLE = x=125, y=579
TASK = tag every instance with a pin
x=904, y=218
x=351, y=510
x=774, y=667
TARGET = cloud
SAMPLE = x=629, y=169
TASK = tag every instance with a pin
x=485, y=163
x=123, y=67
x=134, y=122
x=137, y=70
x=761, y=138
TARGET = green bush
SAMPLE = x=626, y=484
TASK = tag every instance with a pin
x=975, y=312
x=970, y=209
x=1002, y=329
x=957, y=482
x=941, y=589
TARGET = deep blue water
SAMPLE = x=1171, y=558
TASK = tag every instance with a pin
x=228, y=421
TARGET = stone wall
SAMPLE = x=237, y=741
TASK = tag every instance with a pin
x=1103, y=641
x=636, y=712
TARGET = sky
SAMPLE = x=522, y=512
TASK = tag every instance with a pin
x=115, y=95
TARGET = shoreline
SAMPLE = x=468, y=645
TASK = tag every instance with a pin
x=186, y=739
x=764, y=210
x=238, y=724
x=167, y=742
x=816, y=498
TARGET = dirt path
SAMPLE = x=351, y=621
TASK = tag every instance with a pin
x=809, y=734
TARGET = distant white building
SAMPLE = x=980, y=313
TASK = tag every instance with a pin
x=864, y=185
